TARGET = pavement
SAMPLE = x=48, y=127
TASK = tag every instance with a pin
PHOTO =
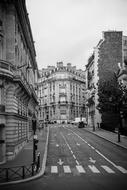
x=26, y=154
x=109, y=136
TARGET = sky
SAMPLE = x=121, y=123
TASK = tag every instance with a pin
x=68, y=30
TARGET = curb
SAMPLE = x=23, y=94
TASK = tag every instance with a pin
x=37, y=175
x=122, y=146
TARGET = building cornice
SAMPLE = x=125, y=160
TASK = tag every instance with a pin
x=25, y=24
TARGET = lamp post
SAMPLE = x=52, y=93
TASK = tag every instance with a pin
x=120, y=120
x=35, y=140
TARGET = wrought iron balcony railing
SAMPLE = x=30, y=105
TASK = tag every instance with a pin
x=9, y=70
x=2, y=108
x=6, y=68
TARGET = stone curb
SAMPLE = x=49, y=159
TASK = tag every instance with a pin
x=42, y=170
x=122, y=146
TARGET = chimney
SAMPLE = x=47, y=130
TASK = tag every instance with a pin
x=59, y=64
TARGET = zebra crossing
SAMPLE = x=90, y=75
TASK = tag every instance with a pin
x=66, y=169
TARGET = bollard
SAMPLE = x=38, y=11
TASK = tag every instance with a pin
x=7, y=177
x=23, y=172
x=118, y=136
x=38, y=161
x=33, y=169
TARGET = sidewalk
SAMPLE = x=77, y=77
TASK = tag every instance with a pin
x=109, y=136
x=25, y=156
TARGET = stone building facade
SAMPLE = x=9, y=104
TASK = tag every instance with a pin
x=18, y=77
x=102, y=66
x=61, y=92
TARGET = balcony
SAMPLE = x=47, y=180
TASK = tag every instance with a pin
x=2, y=108
x=19, y=76
x=6, y=69
x=63, y=102
x=62, y=94
x=52, y=102
x=2, y=125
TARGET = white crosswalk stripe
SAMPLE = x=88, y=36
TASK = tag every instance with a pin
x=67, y=169
x=93, y=169
x=81, y=170
x=107, y=169
x=54, y=169
x=122, y=169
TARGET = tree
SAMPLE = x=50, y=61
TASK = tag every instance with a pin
x=112, y=98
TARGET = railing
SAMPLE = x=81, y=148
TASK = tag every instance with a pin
x=6, y=65
x=19, y=172
x=11, y=70
x=20, y=75
x=6, y=68
x=2, y=108
x=63, y=102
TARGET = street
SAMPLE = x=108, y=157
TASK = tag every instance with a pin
x=78, y=159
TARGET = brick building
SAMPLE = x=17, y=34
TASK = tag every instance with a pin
x=18, y=75
x=102, y=66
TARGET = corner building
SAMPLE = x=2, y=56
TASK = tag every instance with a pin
x=61, y=93
x=18, y=77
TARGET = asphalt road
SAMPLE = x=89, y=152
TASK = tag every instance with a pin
x=79, y=160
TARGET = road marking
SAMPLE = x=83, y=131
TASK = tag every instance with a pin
x=77, y=162
x=67, y=169
x=107, y=169
x=54, y=169
x=106, y=159
x=70, y=149
x=118, y=167
x=121, y=169
x=93, y=169
x=74, y=156
x=80, y=169
x=91, y=160
x=60, y=162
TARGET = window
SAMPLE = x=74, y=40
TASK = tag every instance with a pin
x=63, y=112
x=125, y=42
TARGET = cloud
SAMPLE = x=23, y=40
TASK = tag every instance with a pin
x=68, y=30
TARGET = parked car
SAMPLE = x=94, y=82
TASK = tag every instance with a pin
x=81, y=124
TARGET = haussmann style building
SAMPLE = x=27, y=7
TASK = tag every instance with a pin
x=61, y=93
x=18, y=76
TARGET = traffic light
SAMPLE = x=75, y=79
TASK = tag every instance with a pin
x=35, y=144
